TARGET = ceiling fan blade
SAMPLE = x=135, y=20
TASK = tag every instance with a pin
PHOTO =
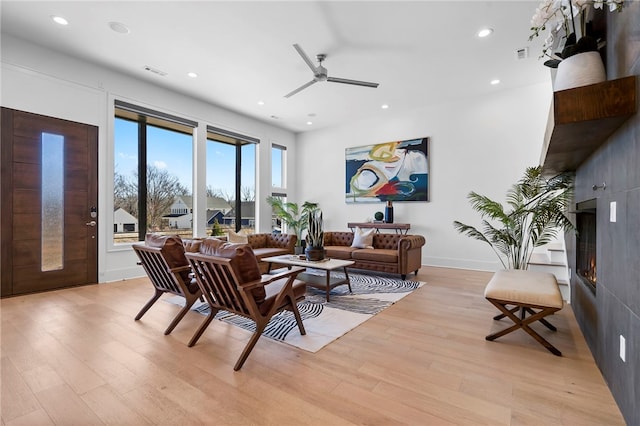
x=304, y=86
x=355, y=82
x=305, y=57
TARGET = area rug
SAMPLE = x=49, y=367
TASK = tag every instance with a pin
x=325, y=321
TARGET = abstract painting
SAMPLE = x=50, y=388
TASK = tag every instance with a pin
x=390, y=171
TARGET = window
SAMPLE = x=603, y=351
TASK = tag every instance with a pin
x=278, y=181
x=278, y=163
x=153, y=157
x=231, y=181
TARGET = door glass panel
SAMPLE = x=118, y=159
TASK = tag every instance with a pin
x=52, y=214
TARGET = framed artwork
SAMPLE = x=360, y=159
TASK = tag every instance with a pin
x=390, y=171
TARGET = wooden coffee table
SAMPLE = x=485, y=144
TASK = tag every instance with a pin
x=327, y=282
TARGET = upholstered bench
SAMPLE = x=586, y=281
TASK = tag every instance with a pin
x=530, y=292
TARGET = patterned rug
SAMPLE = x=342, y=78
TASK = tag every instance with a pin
x=325, y=321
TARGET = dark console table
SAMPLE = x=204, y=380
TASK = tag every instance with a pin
x=400, y=228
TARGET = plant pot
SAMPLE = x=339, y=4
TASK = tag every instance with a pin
x=298, y=250
x=314, y=253
x=580, y=70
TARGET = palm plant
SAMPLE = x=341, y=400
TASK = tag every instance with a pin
x=295, y=217
x=538, y=207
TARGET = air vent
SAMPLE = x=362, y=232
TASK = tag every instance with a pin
x=522, y=53
x=155, y=71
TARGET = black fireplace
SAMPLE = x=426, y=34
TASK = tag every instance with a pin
x=586, y=243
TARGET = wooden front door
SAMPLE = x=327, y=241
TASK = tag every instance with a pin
x=48, y=210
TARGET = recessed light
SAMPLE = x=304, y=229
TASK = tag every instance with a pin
x=119, y=27
x=485, y=32
x=309, y=123
x=384, y=106
x=192, y=74
x=495, y=81
x=260, y=102
x=60, y=20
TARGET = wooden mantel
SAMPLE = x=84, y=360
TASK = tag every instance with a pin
x=581, y=119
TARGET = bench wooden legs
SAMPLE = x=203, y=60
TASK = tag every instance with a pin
x=523, y=321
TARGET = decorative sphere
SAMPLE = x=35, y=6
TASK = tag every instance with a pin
x=378, y=216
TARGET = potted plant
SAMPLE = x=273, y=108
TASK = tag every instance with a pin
x=537, y=212
x=572, y=21
x=315, y=237
x=295, y=217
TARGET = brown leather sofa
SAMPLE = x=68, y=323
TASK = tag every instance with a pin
x=265, y=245
x=391, y=253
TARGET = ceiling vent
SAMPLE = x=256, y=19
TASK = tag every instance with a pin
x=154, y=70
x=522, y=53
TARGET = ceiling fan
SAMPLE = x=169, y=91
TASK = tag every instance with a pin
x=320, y=74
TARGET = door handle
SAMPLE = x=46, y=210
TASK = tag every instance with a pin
x=92, y=223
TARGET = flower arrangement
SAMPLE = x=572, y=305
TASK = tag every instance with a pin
x=559, y=17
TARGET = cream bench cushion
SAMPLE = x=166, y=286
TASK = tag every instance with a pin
x=525, y=287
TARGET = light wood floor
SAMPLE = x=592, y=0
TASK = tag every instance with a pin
x=77, y=357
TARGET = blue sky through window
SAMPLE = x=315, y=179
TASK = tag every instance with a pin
x=173, y=151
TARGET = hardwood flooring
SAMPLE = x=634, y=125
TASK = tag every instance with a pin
x=77, y=357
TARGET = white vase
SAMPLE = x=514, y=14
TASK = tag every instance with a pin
x=580, y=70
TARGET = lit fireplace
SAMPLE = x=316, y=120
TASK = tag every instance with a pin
x=586, y=243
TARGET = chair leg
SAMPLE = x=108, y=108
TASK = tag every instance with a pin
x=296, y=313
x=150, y=303
x=524, y=324
x=247, y=349
x=500, y=316
x=187, y=306
x=203, y=327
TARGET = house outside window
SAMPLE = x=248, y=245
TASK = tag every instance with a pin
x=231, y=165
x=153, y=170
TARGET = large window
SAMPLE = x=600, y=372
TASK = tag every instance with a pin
x=231, y=181
x=278, y=181
x=278, y=162
x=153, y=173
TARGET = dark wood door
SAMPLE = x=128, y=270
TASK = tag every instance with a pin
x=49, y=203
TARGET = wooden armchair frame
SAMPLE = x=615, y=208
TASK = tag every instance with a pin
x=165, y=280
x=223, y=291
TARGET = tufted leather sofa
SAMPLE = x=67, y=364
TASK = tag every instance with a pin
x=391, y=253
x=265, y=245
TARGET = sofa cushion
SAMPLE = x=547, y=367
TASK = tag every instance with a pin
x=339, y=252
x=263, y=252
x=238, y=238
x=257, y=240
x=376, y=255
x=363, y=238
x=243, y=262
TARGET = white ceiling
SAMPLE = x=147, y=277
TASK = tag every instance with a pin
x=421, y=52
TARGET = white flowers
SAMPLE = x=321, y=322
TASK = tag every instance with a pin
x=564, y=16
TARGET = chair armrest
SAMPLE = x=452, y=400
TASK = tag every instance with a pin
x=180, y=269
x=268, y=279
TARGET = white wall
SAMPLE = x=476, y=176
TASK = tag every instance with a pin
x=482, y=144
x=45, y=82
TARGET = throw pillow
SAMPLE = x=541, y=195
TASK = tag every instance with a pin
x=362, y=238
x=237, y=238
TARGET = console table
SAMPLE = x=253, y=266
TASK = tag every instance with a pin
x=400, y=228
